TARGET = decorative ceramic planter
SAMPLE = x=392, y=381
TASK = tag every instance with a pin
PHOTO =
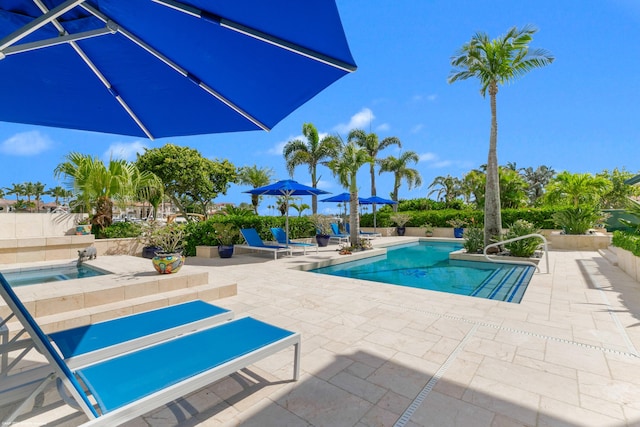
x=322, y=240
x=83, y=229
x=401, y=230
x=458, y=232
x=225, y=251
x=167, y=263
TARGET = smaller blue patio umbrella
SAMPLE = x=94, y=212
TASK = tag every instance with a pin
x=286, y=188
x=375, y=200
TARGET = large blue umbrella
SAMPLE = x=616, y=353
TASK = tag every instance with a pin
x=375, y=200
x=164, y=67
x=343, y=198
x=286, y=188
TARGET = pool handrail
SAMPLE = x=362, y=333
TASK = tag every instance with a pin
x=533, y=264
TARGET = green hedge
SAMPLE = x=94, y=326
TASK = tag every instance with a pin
x=627, y=241
x=540, y=217
x=201, y=233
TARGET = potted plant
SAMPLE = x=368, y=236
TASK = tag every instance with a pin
x=226, y=235
x=400, y=219
x=428, y=229
x=149, y=239
x=323, y=228
x=83, y=226
x=458, y=227
x=171, y=239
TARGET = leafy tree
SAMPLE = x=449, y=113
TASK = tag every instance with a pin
x=537, y=180
x=255, y=177
x=513, y=189
x=313, y=152
x=473, y=187
x=450, y=188
x=401, y=171
x=574, y=189
x=617, y=196
x=187, y=177
x=17, y=189
x=58, y=193
x=29, y=189
x=495, y=62
x=372, y=145
x=345, y=167
x=299, y=207
x=96, y=185
x=38, y=192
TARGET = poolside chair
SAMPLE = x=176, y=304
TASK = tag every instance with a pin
x=255, y=242
x=281, y=237
x=337, y=235
x=126, y=386
x=363, y=234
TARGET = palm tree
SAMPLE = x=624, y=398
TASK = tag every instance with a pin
x=577, y=189
x=494, y=62
x=450, y=188
x=537, y=180
x=345, y=167
x=401, y=170
x=29, y=189
x=299, y=207
x=255, y=177
x=313, y=152
x=57, y=193
x=17, y=189
x=371, y=144
x=38, y=192
x=97, y=186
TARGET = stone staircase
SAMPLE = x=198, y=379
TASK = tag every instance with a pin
x=134, y=288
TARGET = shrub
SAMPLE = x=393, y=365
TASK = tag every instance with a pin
x=120, y=230
x=525, y=247
x=474, y=240
x=627, y=241
x=577, y=220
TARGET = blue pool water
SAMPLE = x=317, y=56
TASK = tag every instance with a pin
x=426, y=265
x=51, y=274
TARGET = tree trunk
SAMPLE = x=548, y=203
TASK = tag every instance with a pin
x=372, y=171
x=314, y=198
x=492, y=214
x=354, y=218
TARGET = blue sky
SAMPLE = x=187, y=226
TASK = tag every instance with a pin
x=581, y=113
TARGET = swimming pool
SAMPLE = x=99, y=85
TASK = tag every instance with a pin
x=32, y=276
x=426, y=265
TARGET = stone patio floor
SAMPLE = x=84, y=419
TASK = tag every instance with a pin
x=383, y=355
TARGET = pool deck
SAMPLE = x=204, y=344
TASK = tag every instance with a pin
x=384, y=355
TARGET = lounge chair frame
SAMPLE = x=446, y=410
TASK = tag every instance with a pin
x=275, y=249
x=278, y=234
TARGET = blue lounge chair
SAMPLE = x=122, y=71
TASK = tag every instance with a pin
x=363, y=234
x=131, y=384
x=337, y=235
x=255, y=242
x=281, y=237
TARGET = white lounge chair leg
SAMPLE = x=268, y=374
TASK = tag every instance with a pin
x=296, y=361
x=29, y=400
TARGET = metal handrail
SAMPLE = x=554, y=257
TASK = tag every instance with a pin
x=533, y=264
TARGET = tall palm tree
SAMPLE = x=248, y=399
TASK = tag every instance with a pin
x=17, y=189
x=345, y=167
x=96, y=186
x=57, y=193
x=495, y=62
x=255, y=177
x=401, y=171
x=313, y=152
x=537, y=180
x=449, y=188
x=38, y=192
x=29, y=189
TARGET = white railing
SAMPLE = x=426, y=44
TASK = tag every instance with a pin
x=533, y=264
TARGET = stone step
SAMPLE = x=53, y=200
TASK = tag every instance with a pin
x=97, y=313
x=609, y=255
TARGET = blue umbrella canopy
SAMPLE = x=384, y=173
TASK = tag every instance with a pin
x=164, y=67
x=286, y=188
x=375, y=200
x=341, y=198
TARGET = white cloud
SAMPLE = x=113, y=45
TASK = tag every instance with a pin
x=432, y=97
x=276, y=150
x=442, y=164
x=428, y=157
x=360, y=120
x=383, y=127
x=25, y=144
x=124, y=150
x=417, y=128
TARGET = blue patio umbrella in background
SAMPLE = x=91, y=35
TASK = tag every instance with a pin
x=286, y=188
x=375, y=200
x=158, y=68
x=342, y=198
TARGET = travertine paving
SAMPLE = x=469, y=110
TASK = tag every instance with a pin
x=383, y=355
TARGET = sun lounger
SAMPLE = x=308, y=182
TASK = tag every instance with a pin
x=131, y=384
x=337, y=235
x=85, y=344
x=255, y=242
x=364, y=234
x=281, y=237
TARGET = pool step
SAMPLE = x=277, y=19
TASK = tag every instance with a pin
x=507, y=283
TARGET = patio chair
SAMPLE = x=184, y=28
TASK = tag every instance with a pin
x=337, y=235
x=254, y=242
x=363, y=234
x=281, y=237
x=126, y=386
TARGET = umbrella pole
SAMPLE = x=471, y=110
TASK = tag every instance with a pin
x=374, y=218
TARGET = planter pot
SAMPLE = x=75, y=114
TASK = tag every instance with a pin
x=322, y=240
x=458, y=233
x=150, y=251
x=429, y=234
x=225, y=251
x=167, y=263
x=83, y=230
x=401, y=230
